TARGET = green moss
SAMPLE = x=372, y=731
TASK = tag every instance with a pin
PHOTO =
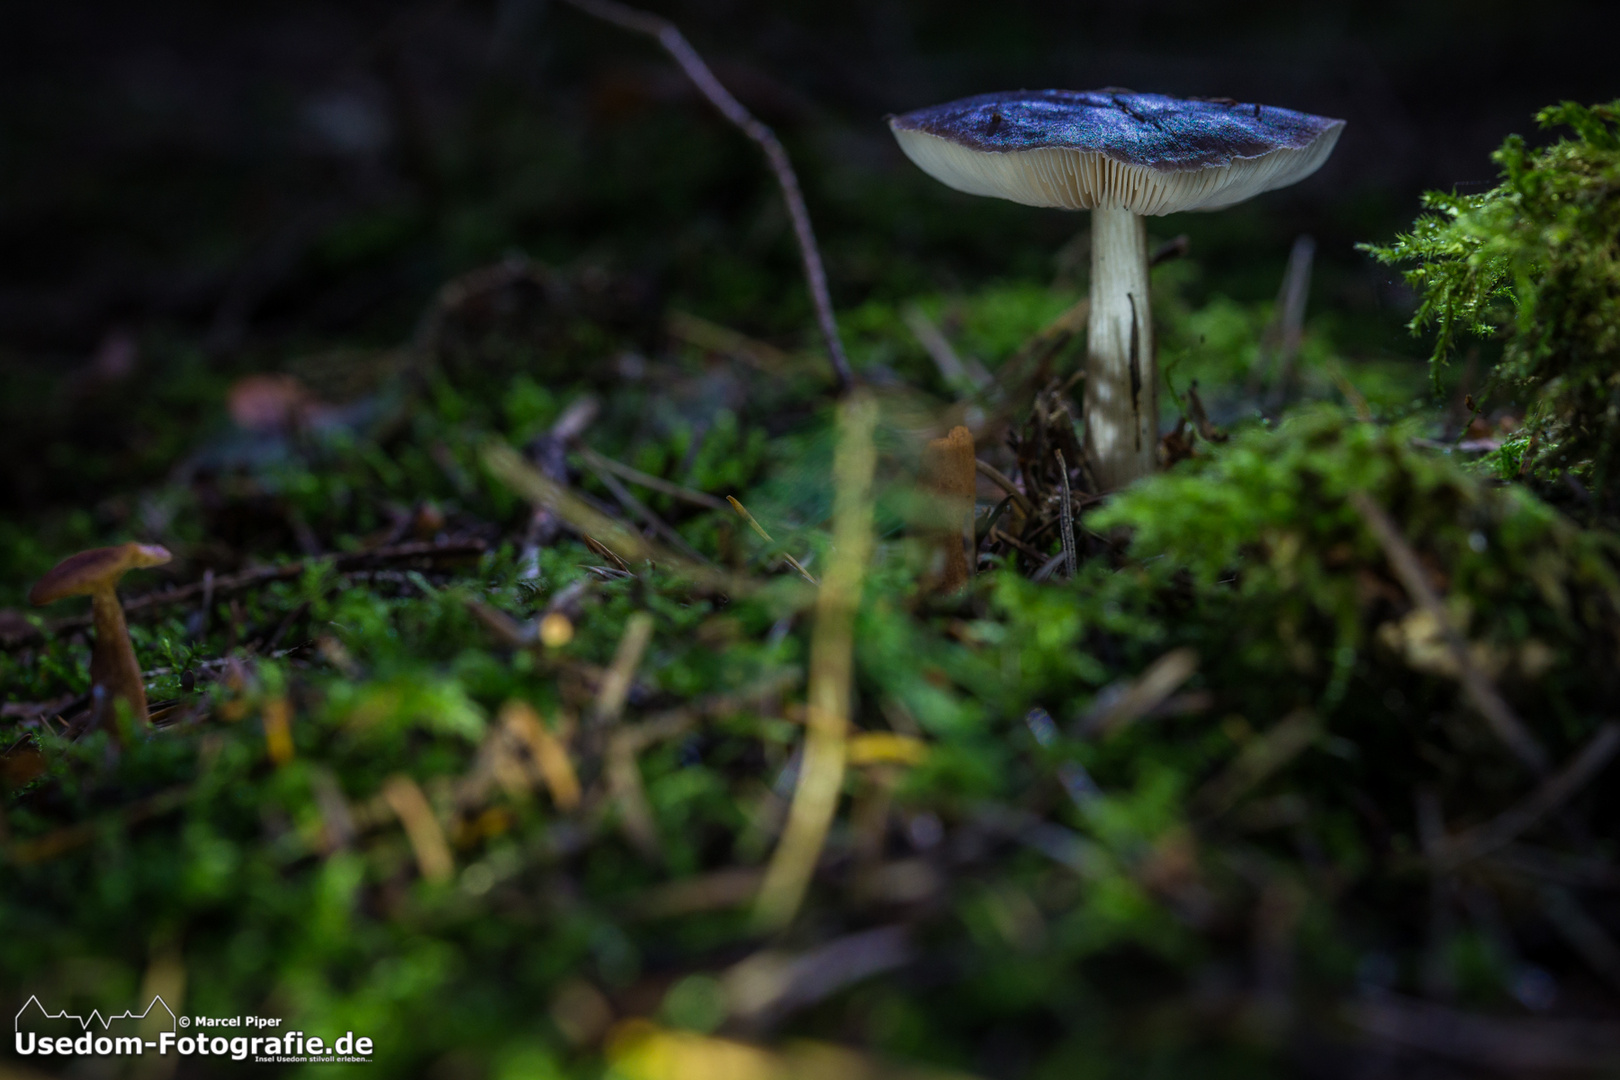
x=1535, y=262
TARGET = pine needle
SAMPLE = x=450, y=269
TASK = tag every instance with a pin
x=753, y=523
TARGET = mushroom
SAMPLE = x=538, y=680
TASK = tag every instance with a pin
x=95, y=574
x=1121, y=155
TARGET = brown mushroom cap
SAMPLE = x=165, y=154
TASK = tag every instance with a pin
x=98, y=568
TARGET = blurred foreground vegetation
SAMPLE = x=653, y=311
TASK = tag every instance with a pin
x=1229, y=800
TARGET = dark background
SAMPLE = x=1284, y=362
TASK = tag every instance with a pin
x=215, y=187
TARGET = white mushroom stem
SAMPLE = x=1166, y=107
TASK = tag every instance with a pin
x=1122, y=379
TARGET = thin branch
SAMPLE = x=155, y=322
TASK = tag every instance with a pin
x=1478, y=688
x=998, y=536
x=1283, y=335
x=1506, y=1045
x=1005, y=483
x=964, y=376
x=509, y=467
x=652, y=483
x=645, y=513
x=215, y=585
x=615, y=688
x=674, y=43
x=1557, y=790
x=1066, y=519
x=827, y=708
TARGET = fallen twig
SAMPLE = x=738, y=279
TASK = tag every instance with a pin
x=1553, y=793
x=674, y=43
x=962, y=376
x=615, y=688
x=815, y=799
x=1005, y=483
x=1283, y=337
x=760, y=355
x=509, y=467
x=1263, y=756
x=641, y=510
x=1557, y=866
x=1508, y=1045
x=1066, y=520
x=996, y=535
x=1118, y=705
x=422, y=828
x=729, y=888
x=223, y=584
x=22, y=852
x=769, y=985
x=1587, y=937
x=1019, y=374
x=1478, y=688
x=641, y=479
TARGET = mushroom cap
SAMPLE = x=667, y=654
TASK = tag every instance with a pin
x=95, y=569
x=1147, y=153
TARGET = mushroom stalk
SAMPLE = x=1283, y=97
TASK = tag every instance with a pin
x=1122, y=383
x=95, y=574
x=112, y=658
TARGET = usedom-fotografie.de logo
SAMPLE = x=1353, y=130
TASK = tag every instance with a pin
x=157, y=1030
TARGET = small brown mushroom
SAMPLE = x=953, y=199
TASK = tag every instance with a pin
x=95, y=574
x=950, y=475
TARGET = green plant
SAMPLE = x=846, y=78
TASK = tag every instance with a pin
x=1536, y=262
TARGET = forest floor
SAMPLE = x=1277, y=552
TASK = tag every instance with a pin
x=559, y=682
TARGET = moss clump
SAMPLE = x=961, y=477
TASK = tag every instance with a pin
x=1536, y=261
x=1262, y=559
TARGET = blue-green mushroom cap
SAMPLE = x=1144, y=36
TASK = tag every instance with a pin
x=1148, y=153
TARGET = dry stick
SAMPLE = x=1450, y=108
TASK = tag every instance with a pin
x=821, y=773
x=1587, y=937
x=546, y=750
x=422, y=828
x=712, y=337
x=1503, y=1045
x=1005, y=483
x=1009, y=396
x=641, y=479
x=1066, y=520
x=692, y=64
x=615, y=688
x=68, y=837
x=645, y=513
x=1558, y=789
x=996, y=534
x=1122, y=704
x=1260, y=758
x=623, y=775
x=963, y=376
x=508, y=466
x=630, y=794
x=1481, y=694
x=1288, y=322
x=1292, y=330
x=214, y=585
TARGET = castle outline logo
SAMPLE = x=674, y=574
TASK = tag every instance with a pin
x=95, y=1014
